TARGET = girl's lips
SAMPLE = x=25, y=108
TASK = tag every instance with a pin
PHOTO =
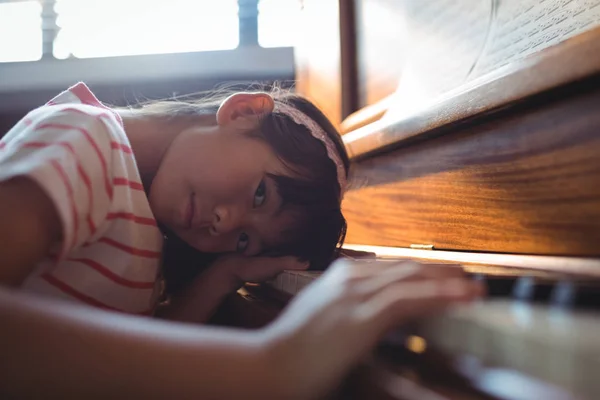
x=190, y=218
x=189, y=212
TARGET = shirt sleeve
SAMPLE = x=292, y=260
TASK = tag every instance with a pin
x=67, y=151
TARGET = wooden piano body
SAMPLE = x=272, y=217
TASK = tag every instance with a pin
x=474, y=130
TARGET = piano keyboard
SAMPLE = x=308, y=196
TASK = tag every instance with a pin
x=556, y=346
x=536, y=286
x=540, y=323
x=534, y=278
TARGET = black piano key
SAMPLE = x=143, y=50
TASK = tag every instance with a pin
x=564, y=294
x=496, y=286
x=542, y=291
x=528, y=288
x=586, y=298
x=576, y=295
x=524, y=288
x=549, y=290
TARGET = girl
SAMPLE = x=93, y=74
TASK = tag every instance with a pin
x=87, y=194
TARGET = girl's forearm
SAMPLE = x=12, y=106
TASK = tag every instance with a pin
x=55, y=349
x=198, y=302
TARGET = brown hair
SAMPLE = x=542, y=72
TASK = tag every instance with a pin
x=312, y=191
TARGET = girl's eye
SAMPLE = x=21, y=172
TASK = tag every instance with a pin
x=261, y=194
x=242, y=243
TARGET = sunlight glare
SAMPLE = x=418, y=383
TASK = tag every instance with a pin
x=91, y=28
x=278, y=22
x=20, y=31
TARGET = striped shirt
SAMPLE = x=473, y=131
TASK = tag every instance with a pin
x=76, y=149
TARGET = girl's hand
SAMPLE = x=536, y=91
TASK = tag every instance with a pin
x=199, y=301
x=337, y=320
x=239, y=269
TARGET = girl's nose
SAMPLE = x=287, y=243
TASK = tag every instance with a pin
x=225, y=219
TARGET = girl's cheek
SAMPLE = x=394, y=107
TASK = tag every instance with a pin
x=211, y=244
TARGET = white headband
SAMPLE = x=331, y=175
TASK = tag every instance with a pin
x=317, y=132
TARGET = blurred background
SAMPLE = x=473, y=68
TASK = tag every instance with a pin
x=132, y=50
x=344, y=55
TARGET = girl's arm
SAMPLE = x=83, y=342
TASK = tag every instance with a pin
x=53, y=349
x=199, y=301
x=29, y=225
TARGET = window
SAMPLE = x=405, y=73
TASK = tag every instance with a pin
x=92, y=28
x=20, y=31
x=278, y=22
x=49, y=44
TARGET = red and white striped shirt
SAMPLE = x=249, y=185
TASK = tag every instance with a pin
x=76, y=149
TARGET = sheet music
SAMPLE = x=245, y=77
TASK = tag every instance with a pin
x=522, y=28
x=455, y=42
x=446, y=38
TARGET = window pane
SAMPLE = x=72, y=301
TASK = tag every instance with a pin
x=278, y=22
x=92, y=28
x=20, y=31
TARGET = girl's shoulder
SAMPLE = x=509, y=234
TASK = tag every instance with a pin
x=78, y=116
x=73, y=109
x=72, y=112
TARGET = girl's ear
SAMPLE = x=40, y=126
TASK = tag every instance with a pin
x=245, y=109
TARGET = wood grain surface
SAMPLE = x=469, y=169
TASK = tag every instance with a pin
x=523, y=181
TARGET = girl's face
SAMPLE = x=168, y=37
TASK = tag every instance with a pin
x=212, y=190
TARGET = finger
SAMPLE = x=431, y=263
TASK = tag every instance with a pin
x=297, y=265
x=277, y=263
x=261, y=268
x=358, y=270
x=431, y=270
x=403, y=301
x=439, y=270
x=374, y=283
x=371, y=280
x=435, y=295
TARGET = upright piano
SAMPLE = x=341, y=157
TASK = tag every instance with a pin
x=474, y=132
